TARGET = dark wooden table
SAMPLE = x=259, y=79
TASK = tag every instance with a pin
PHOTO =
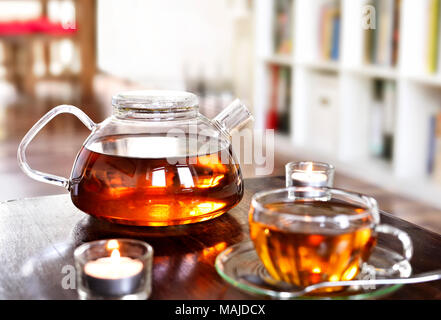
x=38, y=236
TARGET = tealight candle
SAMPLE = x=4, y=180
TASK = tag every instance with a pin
x=309, y=174
x=114, y=275
x=124, y=273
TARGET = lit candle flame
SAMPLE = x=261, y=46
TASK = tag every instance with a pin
x=112, y=244
x=115, y=256
x=309, y=167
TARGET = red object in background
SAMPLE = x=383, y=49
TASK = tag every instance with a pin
x=272, y=116
x=35, y=26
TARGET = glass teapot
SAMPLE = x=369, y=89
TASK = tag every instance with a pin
x=156, y=161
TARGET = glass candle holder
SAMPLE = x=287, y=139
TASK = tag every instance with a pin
x=114, y=269
x=309, y=174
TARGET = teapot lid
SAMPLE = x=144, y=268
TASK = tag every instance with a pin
x=155, y=100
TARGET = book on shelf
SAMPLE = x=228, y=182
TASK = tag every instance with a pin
x=277, y=117
x=381, y=42
x=389, y=119
x=429, y=57
x=432, y=144
x=383, y=54
x=382, y=117
x=329, y=30
x=284, y=100
x=271, y=118
x=283, y=27
x=433, y=12
x=396, y=32
x=434, y=149
x=436, y=152
x=335, y=37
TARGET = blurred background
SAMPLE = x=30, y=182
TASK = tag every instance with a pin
x=352, y=82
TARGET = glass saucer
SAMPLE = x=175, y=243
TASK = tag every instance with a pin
x=241, y=267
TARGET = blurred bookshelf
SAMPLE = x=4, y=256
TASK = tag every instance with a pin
x=367, y=100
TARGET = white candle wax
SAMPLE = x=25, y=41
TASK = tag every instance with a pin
x=309, y=178
x=113, y=268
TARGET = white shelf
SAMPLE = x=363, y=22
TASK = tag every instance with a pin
x=425, y=79
x=418, y=95
x=282, y=60
x=332, y=66
x=374, y=71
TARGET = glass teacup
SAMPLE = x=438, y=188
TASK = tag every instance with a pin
x=306, y=235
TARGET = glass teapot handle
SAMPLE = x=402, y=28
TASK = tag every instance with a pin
x=21, y=153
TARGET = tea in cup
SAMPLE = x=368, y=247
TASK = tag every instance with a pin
x=306, y=235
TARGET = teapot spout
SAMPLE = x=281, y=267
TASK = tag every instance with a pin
x=234, y=117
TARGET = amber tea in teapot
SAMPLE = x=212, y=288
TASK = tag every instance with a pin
x=141, y=188
x=155, y=162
